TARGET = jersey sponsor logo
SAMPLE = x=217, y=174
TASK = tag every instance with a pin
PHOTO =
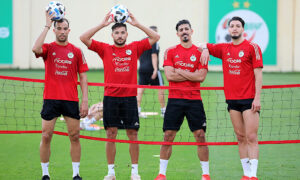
x=183, y=64
x=128, y=52
x=70, y=55
x=61, y=73
x=193, y=58
x=61, y=66
x=123, y=69
x=122, y=61
x=235, y=72
x=234, y=66
x=57, y=60
x=230, y=60
x=241, y=53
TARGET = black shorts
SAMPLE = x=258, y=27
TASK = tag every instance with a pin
x=120, y=112
x=239, y=105
x=54, y=108
x=145, y=79
x=178, y=108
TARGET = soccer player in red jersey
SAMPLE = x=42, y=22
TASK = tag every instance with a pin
x=120, y=67
x=63, y=62
x=183, y=69
x=242, y=71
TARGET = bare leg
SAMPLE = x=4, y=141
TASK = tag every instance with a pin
x=161, y=98
x=111, y=133
x=202, y=150
x=139, y=96
x=166, y=150
x=240, y=132
x=73, y=130
x=251, y=120
x=47, y=133
x=133, y=148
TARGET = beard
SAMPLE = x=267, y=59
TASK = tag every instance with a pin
x=64, y=39
x=236, y=37
x=185, y=38
x=120, y=43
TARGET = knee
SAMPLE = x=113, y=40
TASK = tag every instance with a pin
x=252, y=138
x=74, y=136
x=241, y=137
x=46, y=137
x=111, y=134
x=132, y=135
x=169, y=137
x=200, y=136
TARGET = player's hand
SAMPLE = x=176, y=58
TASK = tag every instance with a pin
x=49, y=19
x=107, y=20
x=84, y=109
x=256, y=105
x=133, y=20
x=204, y=56
x=154, y=74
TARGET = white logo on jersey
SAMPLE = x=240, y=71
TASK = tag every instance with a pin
x=193, y=58
x=204, y=124
x=53, y=53
x=230, y=60
x=70, y=55
x=177, y=56
x=228, y=54
x=241, y=53
x=113, y=54
x=128, y=52
x=136, y=123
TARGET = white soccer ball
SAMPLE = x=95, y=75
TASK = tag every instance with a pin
x=57, y=8
x=119, y=13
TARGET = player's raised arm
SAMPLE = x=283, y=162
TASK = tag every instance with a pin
x=86, y=37
x=37, y=47
x=153, y=36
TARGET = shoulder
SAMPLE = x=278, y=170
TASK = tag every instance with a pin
x=172, y=48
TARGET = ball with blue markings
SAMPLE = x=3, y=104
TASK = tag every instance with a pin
x=56, y=8
x=119, y=13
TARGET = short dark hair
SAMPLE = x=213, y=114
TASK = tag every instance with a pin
x=118, y=25
x=236, y=18
x=153, y=28
x=60, y=21
x=184, y=21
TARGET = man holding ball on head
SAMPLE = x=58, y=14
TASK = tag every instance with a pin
x=63, y=63
x=120, y=67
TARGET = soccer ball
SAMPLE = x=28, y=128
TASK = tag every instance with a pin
x=119, y=14
x=57, y=8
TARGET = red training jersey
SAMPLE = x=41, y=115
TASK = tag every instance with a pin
x=120, y=65
x=187, y=59
x=62, y=63
x=239, y=62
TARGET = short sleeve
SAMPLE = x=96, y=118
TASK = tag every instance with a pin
x=98, y=47
x=82, y=64
x=215, y=49
x=155, y=49
x=44, y=54
x=256, y=56
x=168, y=58
x=142, y=46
